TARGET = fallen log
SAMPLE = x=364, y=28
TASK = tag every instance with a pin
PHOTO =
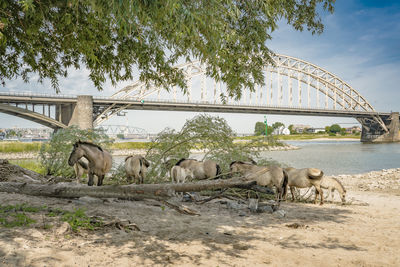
x=134, y=191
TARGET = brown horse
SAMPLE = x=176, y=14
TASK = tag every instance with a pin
x=263, y=175
x=201, y=169
x=100, y=161
x=303, y=178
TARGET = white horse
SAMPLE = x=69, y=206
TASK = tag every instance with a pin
x=179, y=174
x=333, y=184
x=136, y=168
x=201, y=170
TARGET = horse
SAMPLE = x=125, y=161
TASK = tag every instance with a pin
x=333, y=184
x=264, y=176
x=100, y=161
x=80, y=167
x=201, y=170
x=136, y=168
x=303, y=178
x=179, y=174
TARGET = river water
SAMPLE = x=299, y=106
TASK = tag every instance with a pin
x=339, y=157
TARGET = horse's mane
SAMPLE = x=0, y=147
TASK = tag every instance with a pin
x=90, y=144
x=236, y=161
x=340, y=183
x=242, y=162
x=183, y=159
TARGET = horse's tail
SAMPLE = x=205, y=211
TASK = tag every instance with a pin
x=83, y=164
x=145, y=162
x=285, y=183
x=315, y=173
x=218, y=170
x=179, y=161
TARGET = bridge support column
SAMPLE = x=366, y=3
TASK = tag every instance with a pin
x=373, y=132
x=82, y=115
x=79, y=114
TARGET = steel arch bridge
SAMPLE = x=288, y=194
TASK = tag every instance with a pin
x=292, y=86
x=289, y=83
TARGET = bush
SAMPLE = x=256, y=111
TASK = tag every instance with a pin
x=54, y=154
x=209, y=134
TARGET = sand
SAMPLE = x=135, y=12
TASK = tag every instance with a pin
x=364, y=232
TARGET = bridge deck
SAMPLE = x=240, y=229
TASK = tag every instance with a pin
x=135, y=104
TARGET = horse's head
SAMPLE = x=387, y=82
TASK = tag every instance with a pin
x=76, y=154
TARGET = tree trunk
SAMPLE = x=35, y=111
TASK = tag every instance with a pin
x=134, y=191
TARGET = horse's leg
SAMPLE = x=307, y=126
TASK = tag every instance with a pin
x=100, y=180
x=90, y=180
x=319, y=191
x=316, y=195
x=292, y=192
x=329, y=193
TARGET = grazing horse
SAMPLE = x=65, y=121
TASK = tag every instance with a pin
x=264, y=176
x=100, y=161
x=333, y=184
x=136, y=168
x=304, y=178
x=80, y=167
x=201, y=170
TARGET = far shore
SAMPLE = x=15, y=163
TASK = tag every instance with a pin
x=324, y=139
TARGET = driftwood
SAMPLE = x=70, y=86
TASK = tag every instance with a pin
x=134, y=191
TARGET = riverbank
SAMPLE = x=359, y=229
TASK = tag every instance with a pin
x=126, y=152
x=364, y=232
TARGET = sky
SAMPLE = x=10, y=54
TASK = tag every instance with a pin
x=360, y=44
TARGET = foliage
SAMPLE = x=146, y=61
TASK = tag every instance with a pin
x=15, y=216
x=335, y=128
x=30, y=164
x=118, y=174
x=211, y=135
x=78, y=219
x=54, y=154
x=15, y=147
x=277, y=125
x=291, y=129
x=327, y=129
x=112, y=39
x=259, y=128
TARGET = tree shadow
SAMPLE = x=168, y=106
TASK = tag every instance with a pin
x=164, y=233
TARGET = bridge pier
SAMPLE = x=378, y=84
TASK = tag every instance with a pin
x=79, y=114
x=372, y=131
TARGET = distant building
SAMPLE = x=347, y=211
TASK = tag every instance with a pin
x=300, y=128
x=315, y=130
x=354, y=129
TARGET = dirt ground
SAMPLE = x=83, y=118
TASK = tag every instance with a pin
x=364, y=232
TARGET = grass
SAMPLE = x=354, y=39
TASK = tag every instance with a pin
x=30, y=164
x=79, y=220
x=15, y=215
x=302, y=137
x=131, y=145
x=19, y=215
x=15, y=147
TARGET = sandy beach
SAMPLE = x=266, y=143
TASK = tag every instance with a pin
x=364, y=232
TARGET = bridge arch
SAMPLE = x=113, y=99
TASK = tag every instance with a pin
x=305, y=84
x=32, y=116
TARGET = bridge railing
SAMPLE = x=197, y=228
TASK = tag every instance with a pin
x=11, y=93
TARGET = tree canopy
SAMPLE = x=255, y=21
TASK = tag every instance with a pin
x=113, y=39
